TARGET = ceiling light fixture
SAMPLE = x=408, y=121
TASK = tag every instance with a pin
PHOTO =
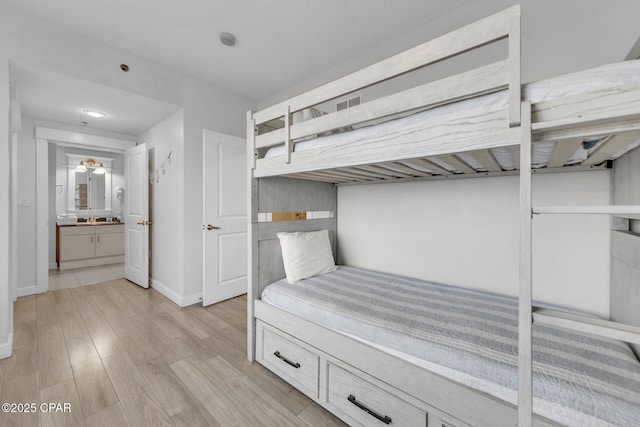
x=95, y=114
x=227, y=39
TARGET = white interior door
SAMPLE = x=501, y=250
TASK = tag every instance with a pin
x=224, y=217
x=136, y=215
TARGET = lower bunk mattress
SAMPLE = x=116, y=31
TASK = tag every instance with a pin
x=470, y=337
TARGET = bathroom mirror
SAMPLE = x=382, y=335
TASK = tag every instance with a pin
x=89, y=192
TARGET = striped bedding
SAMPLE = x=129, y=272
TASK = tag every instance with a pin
x=471, y=337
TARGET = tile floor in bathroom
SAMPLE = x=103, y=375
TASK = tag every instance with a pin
x=84, y=276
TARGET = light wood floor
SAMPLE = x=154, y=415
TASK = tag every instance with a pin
x=122, y=355
x=84, y=276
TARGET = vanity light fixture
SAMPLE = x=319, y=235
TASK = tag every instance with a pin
x=95, y=114
x=81, y=167
x=98, y=169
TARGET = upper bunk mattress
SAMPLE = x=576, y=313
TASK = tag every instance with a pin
x=471, y=337
x=433, y=122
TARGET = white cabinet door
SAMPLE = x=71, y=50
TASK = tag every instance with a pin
x=77, y=243
x=109, y=244
x=77, y=247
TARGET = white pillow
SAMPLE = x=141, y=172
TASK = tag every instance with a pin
x=306, y=254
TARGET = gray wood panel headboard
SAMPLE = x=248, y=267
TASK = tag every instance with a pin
x=271, y=267
x=625, y=283
x=281, y=194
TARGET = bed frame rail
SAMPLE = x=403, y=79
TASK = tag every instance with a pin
x=493, y=77
x=464, y=85
x=485, y=31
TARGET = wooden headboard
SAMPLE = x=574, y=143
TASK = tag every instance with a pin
x=625, y=279
x=278, y=195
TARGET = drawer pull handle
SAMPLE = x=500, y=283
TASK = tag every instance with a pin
x=384, y=418
x=281, y=357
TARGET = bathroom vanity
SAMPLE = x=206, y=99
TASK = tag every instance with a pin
x=89, y=244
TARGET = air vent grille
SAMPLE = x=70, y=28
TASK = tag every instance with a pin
x=347, y=103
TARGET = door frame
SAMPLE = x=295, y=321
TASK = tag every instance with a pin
x=43, y=136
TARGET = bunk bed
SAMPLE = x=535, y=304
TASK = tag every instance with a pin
x=439, y=130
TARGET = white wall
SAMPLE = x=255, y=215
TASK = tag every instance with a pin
x=167, y=206
x=465, y=232
x=6, y=287
x=27, y=237
x=53, y=173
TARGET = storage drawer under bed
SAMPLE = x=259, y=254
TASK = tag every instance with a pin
x=362, y=400
x=349, y=393
x=289, y=358
x=366, y=404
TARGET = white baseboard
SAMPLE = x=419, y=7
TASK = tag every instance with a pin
x=192, y=299
x=167, y=292
x=7, y=347
x=53, y=266
x=173, y=296
x=29, y=290
x=91, y=262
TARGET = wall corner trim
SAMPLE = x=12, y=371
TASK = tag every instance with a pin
x=182, y=301
x=6, y=348
x=29, y=290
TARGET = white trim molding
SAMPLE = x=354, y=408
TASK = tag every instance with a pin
x=6, y=348
x=86, y=140
x=30, y=290
x=182, y=301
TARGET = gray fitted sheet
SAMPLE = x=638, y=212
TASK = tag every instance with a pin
x=471, y=337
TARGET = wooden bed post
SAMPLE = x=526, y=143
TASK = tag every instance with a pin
x=288, y=147
x=252, y=217
x=251, y=139
x=515, y=87
x=525, y=318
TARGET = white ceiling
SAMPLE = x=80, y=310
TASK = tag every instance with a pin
x=278, y=41
x=284, y=42
x=60, y=98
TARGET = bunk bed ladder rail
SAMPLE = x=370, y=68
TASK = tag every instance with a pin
x=525, y=318
x=527, y=313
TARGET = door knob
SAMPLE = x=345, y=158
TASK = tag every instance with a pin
x=212, y=227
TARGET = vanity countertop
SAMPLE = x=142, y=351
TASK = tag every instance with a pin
x=90, y=223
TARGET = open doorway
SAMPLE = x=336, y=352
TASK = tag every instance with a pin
x=53, y=112
x=85, y=190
